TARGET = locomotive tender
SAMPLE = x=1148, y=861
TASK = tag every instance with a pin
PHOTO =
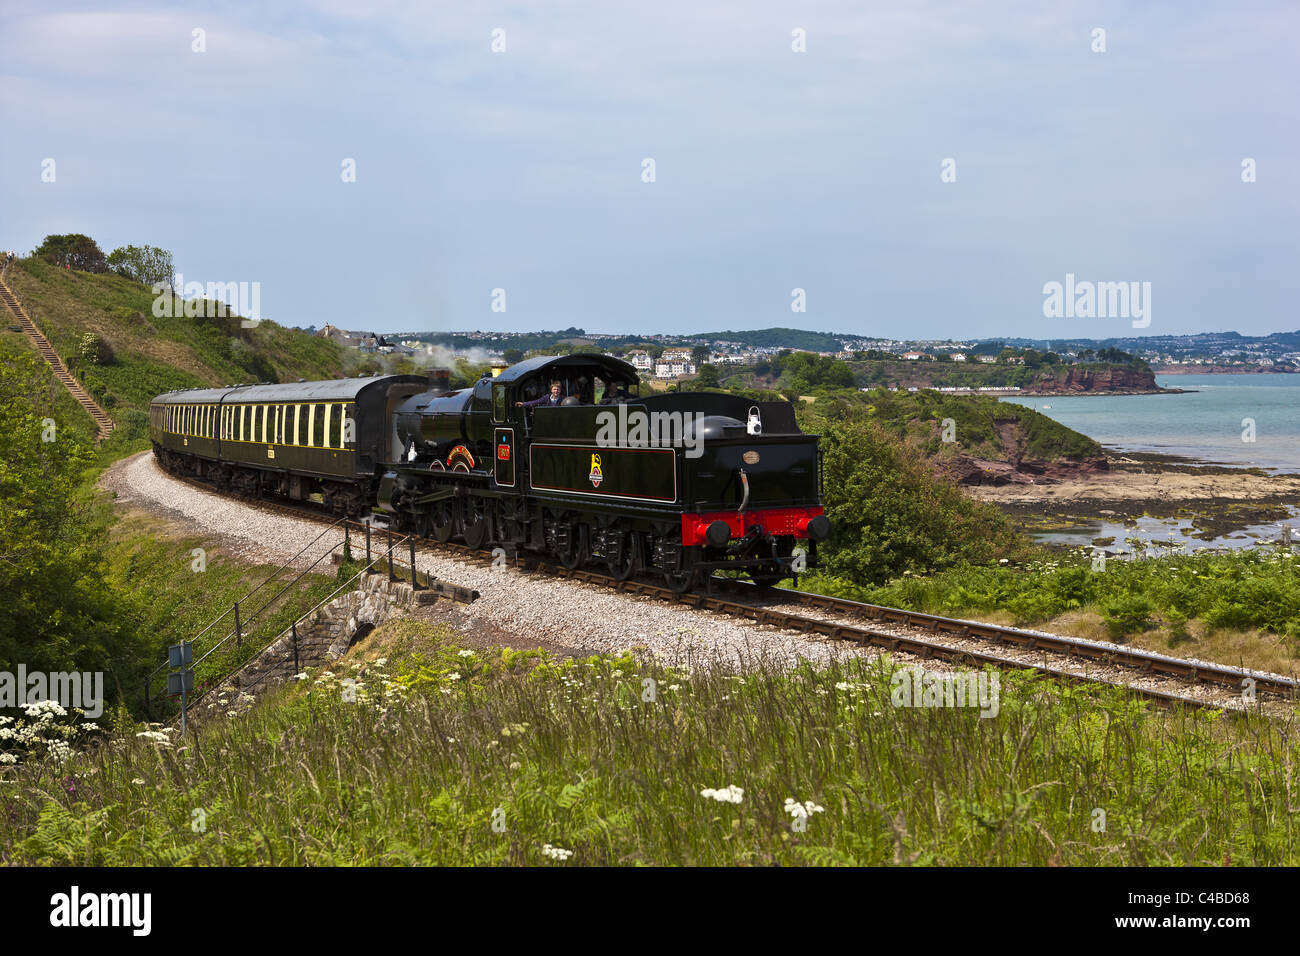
x=675, y=484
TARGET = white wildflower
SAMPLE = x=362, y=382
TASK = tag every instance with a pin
x=801, y=810
x=731, y=794
x=556, y=852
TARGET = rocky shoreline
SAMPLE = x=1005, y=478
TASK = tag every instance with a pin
x=1065, y=393
x=1216, y=499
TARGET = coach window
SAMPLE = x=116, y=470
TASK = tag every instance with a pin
x=297, y=425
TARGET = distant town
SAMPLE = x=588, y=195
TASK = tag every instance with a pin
x=672, y=357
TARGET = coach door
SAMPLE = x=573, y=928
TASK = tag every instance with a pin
x=505, y=457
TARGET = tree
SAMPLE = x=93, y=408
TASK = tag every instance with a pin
x=73, y=251
x=57, y=614
x=95, y=350
x=890, y=514
x=708, y=377
x=144, y=264
x=700, y=355
x=513, y=356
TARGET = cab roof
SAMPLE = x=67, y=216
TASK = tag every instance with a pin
x=542, y=364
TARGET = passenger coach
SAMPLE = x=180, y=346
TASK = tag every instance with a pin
x=325, y=438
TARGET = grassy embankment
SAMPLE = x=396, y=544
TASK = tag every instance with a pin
x=149, y=354
x=165, y=599
x=982, y=426
x=492, y=756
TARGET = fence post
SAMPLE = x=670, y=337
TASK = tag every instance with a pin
x=294, y=626
x=347, y=543
x=239, y=635
x=415, y=584
x=391, y=575
x=367, y=544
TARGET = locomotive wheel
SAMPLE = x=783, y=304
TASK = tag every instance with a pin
x=679, y=582
x=476, y=524
x=578, y=551
x=622, y=569
x=443, y=525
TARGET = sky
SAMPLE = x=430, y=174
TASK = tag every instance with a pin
x=917, y=169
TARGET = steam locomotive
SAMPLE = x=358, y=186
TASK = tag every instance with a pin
x=678, y=485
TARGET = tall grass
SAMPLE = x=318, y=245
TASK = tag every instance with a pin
x=448, y=757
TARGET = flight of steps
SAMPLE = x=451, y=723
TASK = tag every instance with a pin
x=102, y=421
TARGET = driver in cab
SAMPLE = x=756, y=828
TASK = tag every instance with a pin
x=552, y=399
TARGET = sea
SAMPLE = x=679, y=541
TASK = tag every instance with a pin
x=1211, y=422
x=1233, y=420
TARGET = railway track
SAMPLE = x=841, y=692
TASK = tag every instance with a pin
x=1161, y=679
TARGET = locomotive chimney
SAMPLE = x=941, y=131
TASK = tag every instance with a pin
x=440, y=380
